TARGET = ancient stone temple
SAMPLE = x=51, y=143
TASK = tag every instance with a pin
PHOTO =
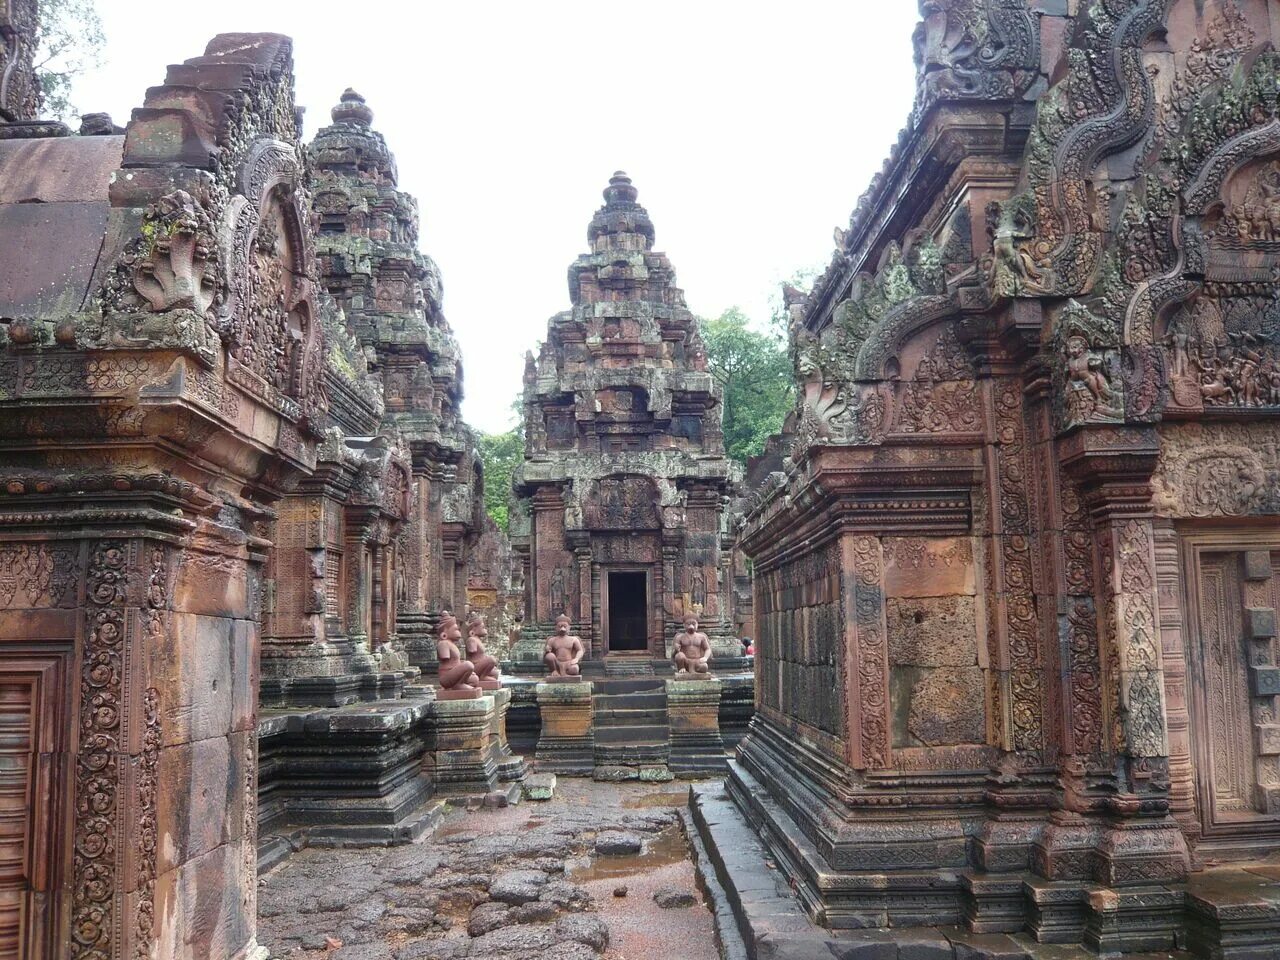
x=220, y=482
x=620, y=520
x=1016, y=583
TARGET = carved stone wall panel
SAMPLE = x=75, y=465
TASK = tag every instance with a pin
x=1129, y=586
x=801, y=644
x=1217, y=470
x=1014, y=613
x=1173, y=600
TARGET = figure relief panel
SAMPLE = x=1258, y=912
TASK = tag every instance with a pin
x=1223, y=348
x=622, y=503
x=270, y=319
x=940, y=396
x=1217, y=470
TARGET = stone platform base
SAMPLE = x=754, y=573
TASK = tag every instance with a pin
x=1227, y=913
x=335, y=691
x=284, y=842
x=345, y=776
x=566, y=744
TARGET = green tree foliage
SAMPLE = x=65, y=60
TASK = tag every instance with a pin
x=69, y=42
x=500, y=453
x=754, y=371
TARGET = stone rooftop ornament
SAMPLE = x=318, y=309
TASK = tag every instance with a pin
x=391, y=296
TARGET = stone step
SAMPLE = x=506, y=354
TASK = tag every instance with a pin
x=623, y=754
x=634, y=685
x=654, y=733
x=628, y=668
x=626, y=717
x=630, y=702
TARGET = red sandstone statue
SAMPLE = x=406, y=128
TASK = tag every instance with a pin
x=485, y=666
x=691, y=651
x=458, y=680
x=563, y=651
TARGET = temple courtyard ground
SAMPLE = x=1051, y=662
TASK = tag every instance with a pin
x=600, y=870
x=607, y=870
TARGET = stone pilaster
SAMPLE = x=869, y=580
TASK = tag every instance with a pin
x=693, y=712
x=567, y=742
x=510, y=767
x=460, y=755
x=1142, y=843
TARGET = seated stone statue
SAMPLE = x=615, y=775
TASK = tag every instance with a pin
x=691, y=651
x=563, y=651
x=458, y=680
x=486, y=667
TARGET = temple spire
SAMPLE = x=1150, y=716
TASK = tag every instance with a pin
x=352, y=109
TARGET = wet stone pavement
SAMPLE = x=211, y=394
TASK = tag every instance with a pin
x=600, y=870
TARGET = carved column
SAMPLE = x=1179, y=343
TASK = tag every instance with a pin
x=1113, y=465
x=1174, y=668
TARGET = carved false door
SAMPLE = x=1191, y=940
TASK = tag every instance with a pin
x=32, y=758
x=1235, y=688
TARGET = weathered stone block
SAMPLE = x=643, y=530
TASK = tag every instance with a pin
x=693, y=712
x=932, y=632
x=539, y=786
x=196, y=673
x=200, y=797
x=1268, y=739
x=1257, y=564
x=1260, y=622
x=566, y=742
x=459, y=756
x=939, y=706
x=510, y=766
x=1265, y=681
x=928, y=567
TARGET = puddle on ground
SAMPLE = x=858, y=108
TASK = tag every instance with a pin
x=668, y=846
x=679, y=798
x=453, y=830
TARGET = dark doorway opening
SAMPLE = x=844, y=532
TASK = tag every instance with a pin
x=628, y=613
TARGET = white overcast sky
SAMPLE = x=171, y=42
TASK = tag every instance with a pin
x=750, y=130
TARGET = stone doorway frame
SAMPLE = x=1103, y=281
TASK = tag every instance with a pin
x=1190, y=711
x=606, y=573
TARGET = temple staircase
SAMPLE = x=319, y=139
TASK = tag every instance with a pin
x=632, y=736
x=623, y=667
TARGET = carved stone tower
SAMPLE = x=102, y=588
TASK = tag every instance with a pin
x=618, y=520
x=369, y=261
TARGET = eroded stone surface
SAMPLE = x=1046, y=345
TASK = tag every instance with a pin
x=932, y=632
x=948, y=706
x=496, y=884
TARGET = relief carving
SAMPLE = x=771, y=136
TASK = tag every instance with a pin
x=942, y=396
x=873, y=680
x=1087, y=369
x=95, y=867
x=1217, y=470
